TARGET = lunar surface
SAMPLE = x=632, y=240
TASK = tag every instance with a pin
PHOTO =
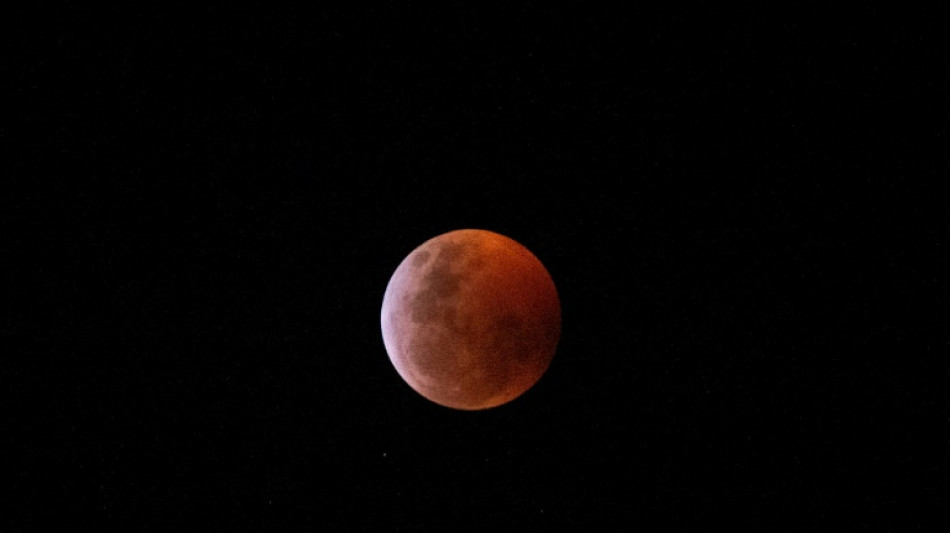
x=471, y=319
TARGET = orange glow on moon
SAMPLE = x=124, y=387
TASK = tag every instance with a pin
x=471, y=319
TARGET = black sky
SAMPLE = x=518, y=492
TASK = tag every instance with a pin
x=203, y=208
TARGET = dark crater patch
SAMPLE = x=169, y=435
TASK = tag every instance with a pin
x=421, y=258
x=441, y=285
x=512, y=338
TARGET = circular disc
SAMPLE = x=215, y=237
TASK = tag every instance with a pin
x=471, y=319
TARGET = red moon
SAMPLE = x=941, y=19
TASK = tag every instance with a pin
x=471, y=319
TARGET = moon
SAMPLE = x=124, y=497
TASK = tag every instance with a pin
x=471, y=319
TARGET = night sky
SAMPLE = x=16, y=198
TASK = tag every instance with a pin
x=202, y=208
